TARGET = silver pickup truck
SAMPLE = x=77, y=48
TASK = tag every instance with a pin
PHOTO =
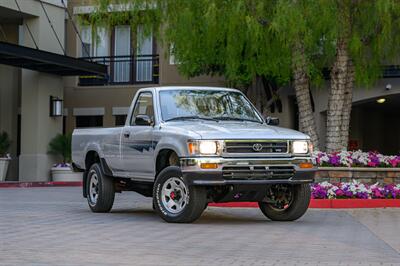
x=189, y=146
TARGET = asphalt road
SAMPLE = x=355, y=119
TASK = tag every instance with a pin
x=53, y=226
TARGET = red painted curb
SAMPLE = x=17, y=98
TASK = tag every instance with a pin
x=39, y=184
x=327, y=204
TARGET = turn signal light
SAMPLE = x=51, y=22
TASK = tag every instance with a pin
x=192, y=148
x=209, y=166
x=306, y=165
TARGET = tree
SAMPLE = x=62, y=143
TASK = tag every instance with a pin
x=300, y=26
x=60, y=145
x=238, y=39
x=261, y=46
x=5, y=144
x=367, y=37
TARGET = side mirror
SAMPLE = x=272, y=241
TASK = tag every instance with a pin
x=272, y=121
x=143, y=120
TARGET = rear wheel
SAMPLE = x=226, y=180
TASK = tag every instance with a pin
x=100, y=190
x=176, y=201
x=286, y=202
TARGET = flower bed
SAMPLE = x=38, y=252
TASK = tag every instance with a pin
x=354, y=190
x=355, y=159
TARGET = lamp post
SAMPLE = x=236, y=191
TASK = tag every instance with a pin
x=56, y=106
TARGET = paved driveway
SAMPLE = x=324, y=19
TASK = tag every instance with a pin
x=53, y=226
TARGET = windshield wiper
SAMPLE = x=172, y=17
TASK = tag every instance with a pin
x=190, y=117
x=236, y=119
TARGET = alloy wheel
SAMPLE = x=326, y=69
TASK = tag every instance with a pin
x=174, y=195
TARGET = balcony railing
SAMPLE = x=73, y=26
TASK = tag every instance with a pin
x=129, y=69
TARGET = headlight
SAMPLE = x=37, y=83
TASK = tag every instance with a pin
x=206, y=147
x=299, y=146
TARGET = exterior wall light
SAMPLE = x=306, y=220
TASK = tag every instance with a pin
x=56, y=106
x=381, y=100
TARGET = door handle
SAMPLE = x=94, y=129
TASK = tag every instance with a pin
x=127, y=134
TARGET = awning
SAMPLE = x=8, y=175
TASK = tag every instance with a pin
x=43, y=61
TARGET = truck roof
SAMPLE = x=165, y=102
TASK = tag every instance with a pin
x=162, y=88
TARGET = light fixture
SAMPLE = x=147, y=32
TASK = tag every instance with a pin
x=56, y=106
x=381, y=100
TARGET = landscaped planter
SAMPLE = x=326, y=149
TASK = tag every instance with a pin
x=369, y=175
x=4, y=162
x=65, y=174
x=354, y=203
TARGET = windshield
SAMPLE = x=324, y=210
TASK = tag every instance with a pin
x=206, y=104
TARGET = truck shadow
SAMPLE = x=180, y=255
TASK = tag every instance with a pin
x=216, y=216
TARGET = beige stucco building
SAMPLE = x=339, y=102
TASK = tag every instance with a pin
x=24, y=94
x=133, y=63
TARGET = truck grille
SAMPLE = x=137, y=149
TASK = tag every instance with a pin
x=256, y=146
x=258, y=172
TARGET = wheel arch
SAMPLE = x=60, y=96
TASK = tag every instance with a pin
x=163, y=159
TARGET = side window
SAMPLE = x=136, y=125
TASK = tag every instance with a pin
x=143, y=106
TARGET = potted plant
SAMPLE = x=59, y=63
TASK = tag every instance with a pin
x=60, y=146
x=5, y=158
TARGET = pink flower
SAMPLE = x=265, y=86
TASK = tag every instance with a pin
x=339, y=193
x=394, y=162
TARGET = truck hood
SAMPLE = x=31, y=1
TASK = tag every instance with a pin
x=236, y=130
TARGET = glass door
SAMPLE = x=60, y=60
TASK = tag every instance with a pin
x=122, y=51
x=144, y=56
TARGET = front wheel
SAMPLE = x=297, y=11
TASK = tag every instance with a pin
x=286, y=202
x=176, y=201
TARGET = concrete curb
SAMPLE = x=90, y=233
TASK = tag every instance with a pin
x=39, y=184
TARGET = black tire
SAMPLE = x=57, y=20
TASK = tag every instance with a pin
x=105, y=190
x=296, y=209
x=196, y=197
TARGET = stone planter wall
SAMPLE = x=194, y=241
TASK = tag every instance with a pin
x=362, y=174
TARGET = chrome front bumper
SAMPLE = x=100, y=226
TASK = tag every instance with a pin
x=257, y=171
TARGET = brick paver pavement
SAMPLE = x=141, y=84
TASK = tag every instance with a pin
x=53, y=226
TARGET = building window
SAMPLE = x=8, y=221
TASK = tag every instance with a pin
x=120, y=120
x=144, y=54
x=122, y=51
x=98, y=45
x=102, y=42
x=89, y=121
x=86, y=34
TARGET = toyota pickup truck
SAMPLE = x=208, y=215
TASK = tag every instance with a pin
x=187, y=147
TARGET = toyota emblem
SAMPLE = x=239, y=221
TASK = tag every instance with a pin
x=257, y=147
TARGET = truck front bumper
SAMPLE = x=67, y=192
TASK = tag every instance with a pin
x=246, y=171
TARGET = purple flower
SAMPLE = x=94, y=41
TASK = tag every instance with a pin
x=334, y=159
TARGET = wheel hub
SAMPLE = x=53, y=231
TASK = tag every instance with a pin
x=174, y=195
x=93, y=188
x=280, y=197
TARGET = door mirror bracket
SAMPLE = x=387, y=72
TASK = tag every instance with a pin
x=272, y=121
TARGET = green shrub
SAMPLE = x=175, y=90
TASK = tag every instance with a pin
x=5, y=144
x=60, y=145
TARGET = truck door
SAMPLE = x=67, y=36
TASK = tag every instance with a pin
x=137, y=146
